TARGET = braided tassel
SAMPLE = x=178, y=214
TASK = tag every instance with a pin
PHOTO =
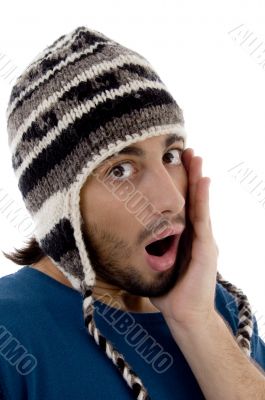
x=135, y=383
x=245, y=324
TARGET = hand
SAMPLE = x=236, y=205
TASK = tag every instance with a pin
x=191, y=300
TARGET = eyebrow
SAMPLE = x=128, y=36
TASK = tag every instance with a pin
x=136, y=151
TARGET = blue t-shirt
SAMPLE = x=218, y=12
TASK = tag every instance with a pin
x=46, y=352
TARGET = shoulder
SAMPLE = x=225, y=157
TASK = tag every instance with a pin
x=15, y=300
x=11, y=286
x=13, y=331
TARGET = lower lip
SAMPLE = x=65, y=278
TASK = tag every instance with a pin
x=166, y=261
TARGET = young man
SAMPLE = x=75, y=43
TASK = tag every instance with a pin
x=124, y=254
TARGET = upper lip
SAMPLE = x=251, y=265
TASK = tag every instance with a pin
x=172, y=230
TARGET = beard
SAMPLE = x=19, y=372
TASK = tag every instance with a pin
x=112, y=257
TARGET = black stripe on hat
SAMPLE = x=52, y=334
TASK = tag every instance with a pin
x=59, y=239
x=27, y=96
x=82, y=92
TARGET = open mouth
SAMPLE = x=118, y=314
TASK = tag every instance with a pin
x=160, y=247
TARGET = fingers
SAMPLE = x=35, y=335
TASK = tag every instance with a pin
x=198, y=195
x=194, y=176
x=201, y=209
x=186, y=157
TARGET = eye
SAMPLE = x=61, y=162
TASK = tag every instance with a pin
x=179, y=153
x=118, y=170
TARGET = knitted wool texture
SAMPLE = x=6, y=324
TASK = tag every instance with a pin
x=82, y=99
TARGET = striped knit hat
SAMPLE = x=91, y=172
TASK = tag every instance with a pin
x=82, y=99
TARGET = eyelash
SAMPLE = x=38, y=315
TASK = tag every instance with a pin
x=180, y=151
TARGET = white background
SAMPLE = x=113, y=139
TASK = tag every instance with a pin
x=202, y=52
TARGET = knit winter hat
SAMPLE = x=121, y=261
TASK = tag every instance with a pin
x=82, y=99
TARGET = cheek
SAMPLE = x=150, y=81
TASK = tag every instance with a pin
x=118, y=193
x=104, y=204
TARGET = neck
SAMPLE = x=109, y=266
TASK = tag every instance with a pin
x=119, y=298
x=102, y=291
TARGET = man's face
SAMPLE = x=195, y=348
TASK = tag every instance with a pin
x=115, y=237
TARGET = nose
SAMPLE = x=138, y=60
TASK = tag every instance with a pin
x=165, y=192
